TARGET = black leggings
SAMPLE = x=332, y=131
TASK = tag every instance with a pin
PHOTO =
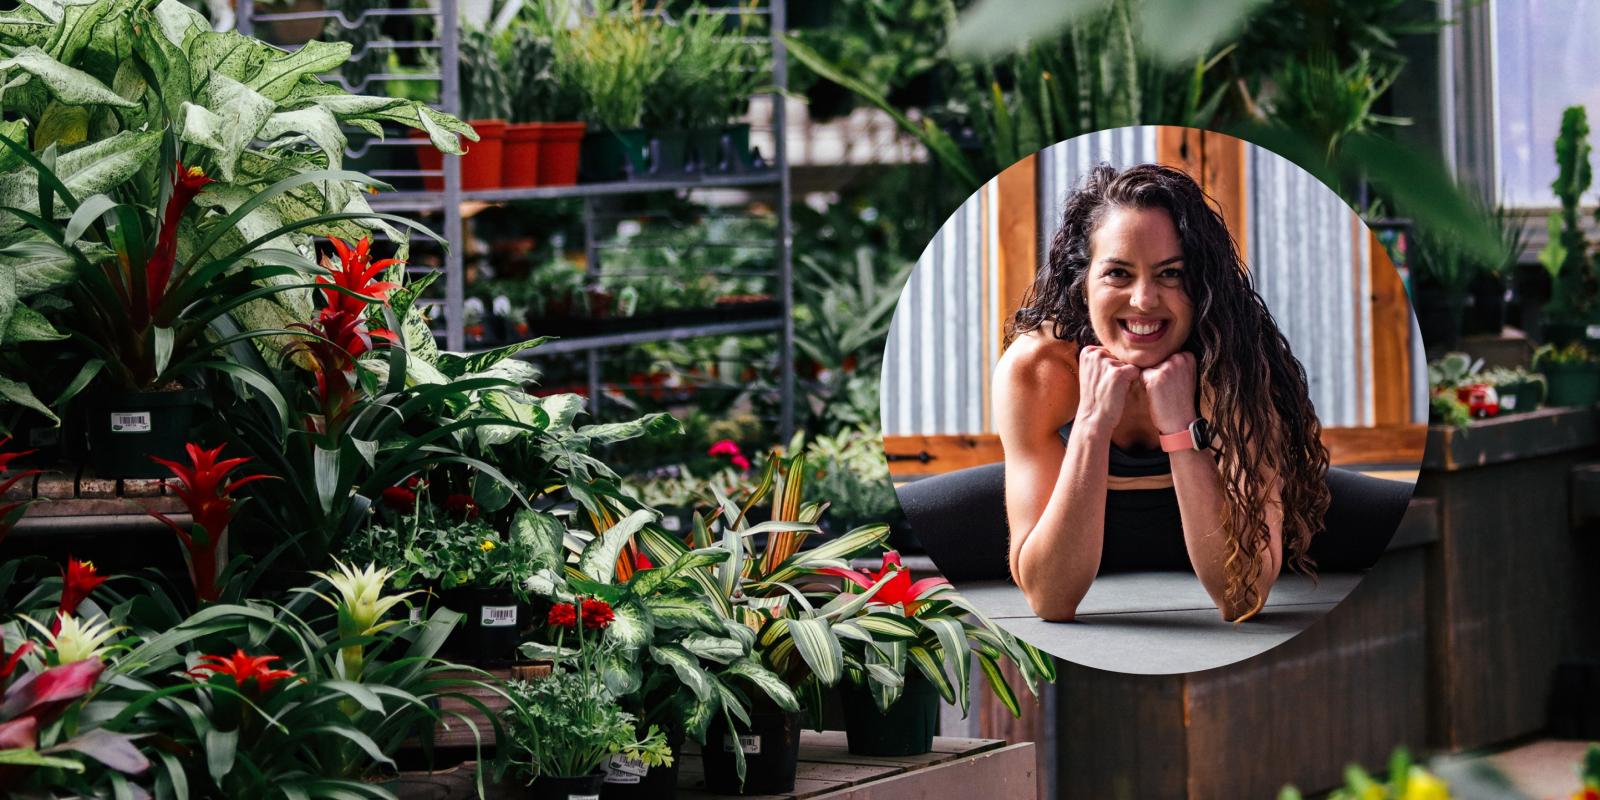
x=960, y=519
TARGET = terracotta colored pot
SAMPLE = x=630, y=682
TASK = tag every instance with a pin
x=429, y=159
x=559, y=148
x=480, y=167
x=519, y=162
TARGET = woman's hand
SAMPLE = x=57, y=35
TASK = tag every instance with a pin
x=1103, y=384
x=1171, y=388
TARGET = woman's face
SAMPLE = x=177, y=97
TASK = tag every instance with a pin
x=1137, y=304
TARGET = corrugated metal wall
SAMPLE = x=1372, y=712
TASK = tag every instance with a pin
x=1304, y=247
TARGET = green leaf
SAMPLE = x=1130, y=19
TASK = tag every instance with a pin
x=766, y=680
x=22, y=395
x=67, y=84
x=819, y=647
x=27, y=325
x=95, y=168
x=631, y=628
x=456, y=365
x=997, y=682
x=932, y=670
x=278, y=78
x=648, y=425
x=645, y=582
x=863, y=538
x=686, y=667
x=28, y=757
x=163, y=347
x=540, y=535
x=953, y=642
x=222, y=748
x=599, y=559
x=714, y=648
x=684, y=612
x=888, y=626
x=326, y=476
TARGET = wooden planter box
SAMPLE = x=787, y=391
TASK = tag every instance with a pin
x=1348, y=689
x=1511, y=589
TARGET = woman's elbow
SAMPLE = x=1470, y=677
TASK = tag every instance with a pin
x=1050, y=604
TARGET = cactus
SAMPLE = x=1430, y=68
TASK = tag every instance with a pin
x=1567, y=256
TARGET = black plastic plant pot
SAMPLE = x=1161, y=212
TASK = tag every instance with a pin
x=1572, y=384
x=549, y=787
x=669, y=154
x=737, y=142
x=906, y=730
x=626, y=780
x=771, y=746
x=1486, y=308
x=125, y=430
x=615, y=155
x=1439, y=317
x=489, y=630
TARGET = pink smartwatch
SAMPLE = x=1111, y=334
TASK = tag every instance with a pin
x=1195, y=437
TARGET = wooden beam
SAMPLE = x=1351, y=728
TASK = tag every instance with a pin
x=1227, y=183
x=1391, y=339
x=1181, y=148
x=1018, y=231
x=934, y=455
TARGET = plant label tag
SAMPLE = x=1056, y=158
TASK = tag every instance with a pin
x=1592, y=332
x=498, y=617
x=130, y=422
x=751, y=745
x=624, y=770
x=583, y=797
x=416, y=613
x=672, y=524
x=1508, y=402
x=43, y=437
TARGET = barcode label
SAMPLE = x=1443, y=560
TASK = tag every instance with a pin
x=130, y=422
x=751, y=745
x=498, y=616
x=1508, y=402
x=624, y=770
x=583, y=797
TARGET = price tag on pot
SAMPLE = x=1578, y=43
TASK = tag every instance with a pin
x=498, y=617
x=1592, y=332
x=130, y=422
x=751, y=745
x=622, y=769
x=416, y=614
x=672, y=524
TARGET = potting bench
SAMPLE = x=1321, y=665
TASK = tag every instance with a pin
x=974, y=767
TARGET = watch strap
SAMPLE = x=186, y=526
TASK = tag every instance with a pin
x=1174, y=442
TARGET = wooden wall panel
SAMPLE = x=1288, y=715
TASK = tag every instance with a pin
x=1018, y=233
x=1119, y=737
x=1219, y=164
x=1391, y=340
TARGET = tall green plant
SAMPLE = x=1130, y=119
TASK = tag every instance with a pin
x=485, y=85
x=615, y=58
x=1566, y=256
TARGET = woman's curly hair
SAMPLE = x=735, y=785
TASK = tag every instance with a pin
x=1261, y=406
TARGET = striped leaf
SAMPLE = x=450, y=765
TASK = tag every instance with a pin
x=997, y=682
x=953, y=643
x=690, y=613
x=714, y=648
x=647, y=582
x=631, y=628
x=862, y=538
x=599, y=559
x=819, y=647
x=888, y=626
x=766, y=680
x=933, y=670
x=687, y=668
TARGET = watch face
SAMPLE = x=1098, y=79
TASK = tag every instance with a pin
x=1201, y=430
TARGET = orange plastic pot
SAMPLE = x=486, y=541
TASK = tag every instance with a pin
x=559, y=148
x=519, y=161
x=480, y=167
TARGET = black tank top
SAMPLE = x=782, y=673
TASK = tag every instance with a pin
x=1144, y=530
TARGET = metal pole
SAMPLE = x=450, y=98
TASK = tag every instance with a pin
x=455, y=235
x=591, y=268
x=780, y=120
x=244, y=17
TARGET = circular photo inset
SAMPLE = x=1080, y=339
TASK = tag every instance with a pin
x=1149, y=398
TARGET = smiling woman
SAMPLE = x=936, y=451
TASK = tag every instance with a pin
x=1112, y=381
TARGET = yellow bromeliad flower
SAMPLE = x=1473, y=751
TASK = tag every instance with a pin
x=1423, y=785
x=361, y=606
x=488, y=544
x=74, y=640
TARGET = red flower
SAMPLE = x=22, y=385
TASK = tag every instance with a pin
x=461, y=507
x=597, y=614
x=11, y=512
x=243, y=668
x=9, y=665
x=898, y=591
x=728, y=448
x=400, y=499
x=415, y=483
x=186, y=184
x=337, y=339
x=563, y=615
x=209, y=499
x=355, y=272
x=642, y=562
x=77, y=582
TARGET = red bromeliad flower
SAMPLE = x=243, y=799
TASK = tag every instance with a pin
x=77, y=582
x=186, y=184
x=355, y=272
x=11, y=512
x=727, y=447
x=400, y=499
x=563, y=615
x=898, y=591
x=9, y=663
x=597, y=614
x=461, y=507
x=243, y=668
x=204, y=489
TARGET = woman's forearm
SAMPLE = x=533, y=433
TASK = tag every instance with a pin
x=1200, y=500
x=1060, y=557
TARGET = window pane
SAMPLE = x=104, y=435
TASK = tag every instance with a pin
x=1546, y=59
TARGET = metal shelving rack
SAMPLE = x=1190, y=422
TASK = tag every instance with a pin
x=448, y=201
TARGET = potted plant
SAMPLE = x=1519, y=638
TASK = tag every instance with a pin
x=614, y=59
x=720, y=140
x=485, y=103
x=1575, y=280
x=1571, y=372
x=893, y=711
x=682, y=99
x=564, y=728
x=1519, y=390
x=1486, y=294
x=544, y=138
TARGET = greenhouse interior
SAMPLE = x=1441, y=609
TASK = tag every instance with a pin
x=507, y=398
